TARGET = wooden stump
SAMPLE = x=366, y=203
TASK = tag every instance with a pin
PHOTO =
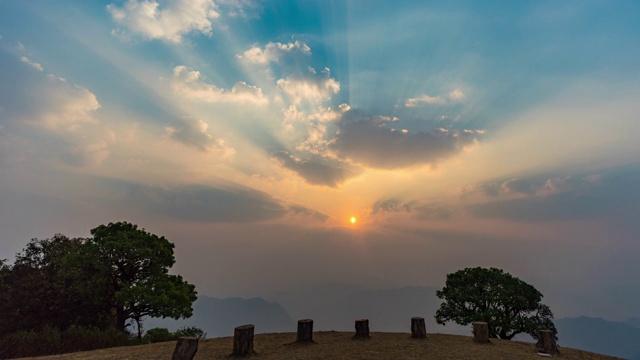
x=186, y=348
x=243, y=341
x=547, y=342
x=481, y=332
x=305, y=331
x=362, y=329
x=418, y=328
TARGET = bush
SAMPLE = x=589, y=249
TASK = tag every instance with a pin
x=158, y=335
x=191, y=331
x=28, y=343
x=50, y=341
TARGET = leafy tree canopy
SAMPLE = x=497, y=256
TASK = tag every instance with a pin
x=509, y=305
x=134, y=265
x=119, y=275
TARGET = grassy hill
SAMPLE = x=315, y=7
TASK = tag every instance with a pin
x=339, y=345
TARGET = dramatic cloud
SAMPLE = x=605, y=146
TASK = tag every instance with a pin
x=273, y=52
x=193, y=132
x=313, y=172
x=453, y=97
x=368, y=140
x=169, y=23
x=187, y=82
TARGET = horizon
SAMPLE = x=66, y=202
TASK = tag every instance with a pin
x=300, y=144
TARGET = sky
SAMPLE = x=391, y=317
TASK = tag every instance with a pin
x=249, y=133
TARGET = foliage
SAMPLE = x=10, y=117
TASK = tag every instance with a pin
x=50, y=340
x=155, y=335
x=509, y=305
x=191, y=331
x=134, y=265
x=88, y=289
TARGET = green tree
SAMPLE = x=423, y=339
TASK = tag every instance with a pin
x=44, y=286
x=134, y=266
x=509, y=305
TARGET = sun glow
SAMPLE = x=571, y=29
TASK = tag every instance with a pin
x=353, y=220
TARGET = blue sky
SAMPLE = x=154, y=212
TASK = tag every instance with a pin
x=458, y=134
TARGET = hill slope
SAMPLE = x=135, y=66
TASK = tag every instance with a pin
x=339, y=345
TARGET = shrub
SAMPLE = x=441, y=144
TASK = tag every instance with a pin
x=158, y=335
x=50, y=341
x=191, y=331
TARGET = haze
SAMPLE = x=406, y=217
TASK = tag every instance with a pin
x=249, y=133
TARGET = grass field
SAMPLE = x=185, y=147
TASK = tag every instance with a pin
x=339, y=345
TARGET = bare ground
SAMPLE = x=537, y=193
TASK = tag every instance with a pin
x=339, y=345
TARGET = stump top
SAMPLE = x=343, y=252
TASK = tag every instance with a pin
x=245, y=327
x=417, y=318
x=480, y=322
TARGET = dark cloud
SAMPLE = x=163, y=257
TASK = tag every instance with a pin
x=389, y=205
x=557, y=207
x=232, y=204
x=613, y=194
x=313, y=172
x=368, y=140
x=530, y=186
x=299, y=210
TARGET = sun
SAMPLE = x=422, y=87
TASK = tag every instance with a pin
x=353, y=220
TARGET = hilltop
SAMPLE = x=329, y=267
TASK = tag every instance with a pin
x=339, y=345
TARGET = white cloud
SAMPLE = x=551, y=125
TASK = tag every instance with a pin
x=61, y=106
x=168, y=23
x=26, y=60
x=314, y=90
x=187, y=82
x=453, y=97
x=273, y=52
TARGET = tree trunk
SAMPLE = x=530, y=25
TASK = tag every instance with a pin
x=305, y=331
x=547, y=342
x=243, y=341
x=418, y=328
x=481, y=332
x=121, y=319
x=362, y=329
x=186, y=348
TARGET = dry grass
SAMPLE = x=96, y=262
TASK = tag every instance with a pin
x=339, y=345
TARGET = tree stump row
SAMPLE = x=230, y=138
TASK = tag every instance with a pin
x=362, y=329
x=418, y=328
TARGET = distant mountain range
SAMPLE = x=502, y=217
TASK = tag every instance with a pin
x=600, y=336
x=390, y=310
x=218, y=317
